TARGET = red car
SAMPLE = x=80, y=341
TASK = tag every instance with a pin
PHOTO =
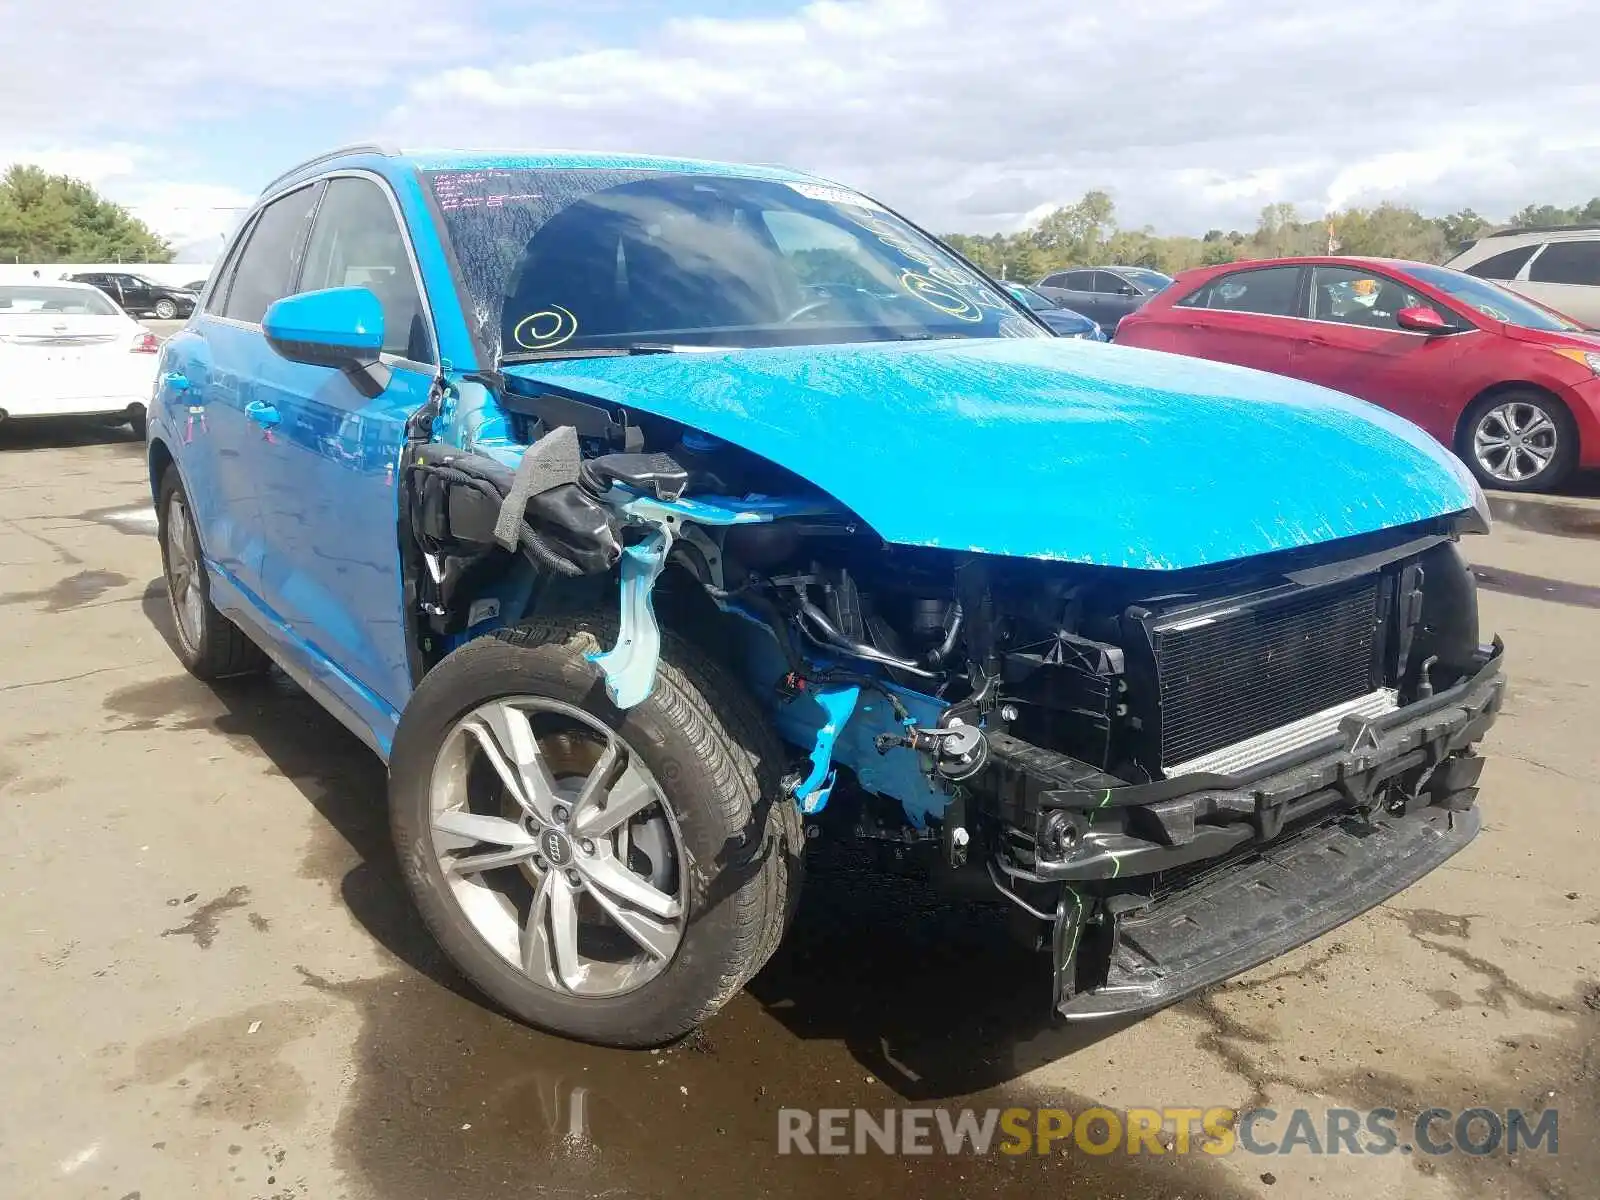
x=1511, y=386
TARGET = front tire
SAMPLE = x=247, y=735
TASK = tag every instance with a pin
x=210, y=645
x=610, y=875
x=166, y=310
x=1520, y=441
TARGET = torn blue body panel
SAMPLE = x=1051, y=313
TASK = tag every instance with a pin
x=1065, y=450
x=630, y=666
x=799, y=719
x=837, y=704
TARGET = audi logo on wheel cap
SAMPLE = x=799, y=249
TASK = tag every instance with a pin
x=556, y=847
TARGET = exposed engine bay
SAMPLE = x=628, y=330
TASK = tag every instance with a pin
x=1120, y=754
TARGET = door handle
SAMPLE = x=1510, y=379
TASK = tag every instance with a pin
x=264, y=415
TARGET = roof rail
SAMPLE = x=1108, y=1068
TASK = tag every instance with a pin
x=337, y=152
x=1516, y=230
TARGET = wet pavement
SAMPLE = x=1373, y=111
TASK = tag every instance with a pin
x=215, y=986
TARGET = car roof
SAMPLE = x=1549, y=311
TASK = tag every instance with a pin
x=535, y=159
x=1303, y=260
x=65, y=281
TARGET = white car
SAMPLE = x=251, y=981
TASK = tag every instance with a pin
x=66, y=350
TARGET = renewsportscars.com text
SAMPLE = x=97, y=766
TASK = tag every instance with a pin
x=1160, y=1131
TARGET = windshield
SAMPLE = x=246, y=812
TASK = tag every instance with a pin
x=1492, y=300
x=1150, y=281
x=36, y=298
x=564, y=260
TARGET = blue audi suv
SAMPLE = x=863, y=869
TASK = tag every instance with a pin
x=649, y=517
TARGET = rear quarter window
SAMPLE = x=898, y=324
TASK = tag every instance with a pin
x=1575, y=262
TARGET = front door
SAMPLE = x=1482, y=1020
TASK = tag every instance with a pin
x=1354, y=344
x=136, y=295
x=1115, y=298
x=330, y=499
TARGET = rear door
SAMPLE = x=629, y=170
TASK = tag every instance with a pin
x=1565, y=276
x=1247, y=317
x=211, y=380
x=1353, y=344
x=331, y=499
x=1076, y=291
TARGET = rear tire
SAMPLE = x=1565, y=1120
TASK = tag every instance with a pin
x=137, y=422
x=166, y=310
x=1519, y=441
x=209, y=645
x=714, y=764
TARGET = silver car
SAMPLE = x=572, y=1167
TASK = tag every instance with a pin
x=1558, y=267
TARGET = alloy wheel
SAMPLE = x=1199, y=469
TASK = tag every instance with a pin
x=183, y=575
x=558, y=846
x=1515, y=441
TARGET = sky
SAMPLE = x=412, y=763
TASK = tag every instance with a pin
x=967, y=117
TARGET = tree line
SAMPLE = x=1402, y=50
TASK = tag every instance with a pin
x=1087, y=234
x=55, y=218
x=48, y=218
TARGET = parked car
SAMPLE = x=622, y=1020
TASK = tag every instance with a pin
x=67, y=351
x=1062, y=320
x=140, y=296
x=1509, y=385
x=1104, y=294
x=643, y=552
x=1560, y=268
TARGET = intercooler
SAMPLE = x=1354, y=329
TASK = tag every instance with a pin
x=1240, y=681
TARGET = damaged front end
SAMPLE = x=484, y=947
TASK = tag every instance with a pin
x=1171, y=775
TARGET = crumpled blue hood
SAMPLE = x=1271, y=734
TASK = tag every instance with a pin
x=1050, y=448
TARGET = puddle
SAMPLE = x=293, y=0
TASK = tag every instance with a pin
x=884, y=997
x=1535, y=516
x=140, y=520
x=453, y=1099
x=72, y=592
x=1537, y=587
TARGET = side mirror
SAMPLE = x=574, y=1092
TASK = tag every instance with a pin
x=1421, y=320
x=340, y=328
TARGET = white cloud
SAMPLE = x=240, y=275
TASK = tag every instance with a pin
x=152, y=64
x=1192, y=112
x=192, y=216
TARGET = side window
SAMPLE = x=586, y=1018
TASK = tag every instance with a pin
x=357, y=242
x=1108, y=284
x=1079, y=281
x=217, y=301
x=1270, y=291
x=1365, y=298
x=1504, y=265
x=266, y=264
x=1057, y=280
x=1568, y=262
